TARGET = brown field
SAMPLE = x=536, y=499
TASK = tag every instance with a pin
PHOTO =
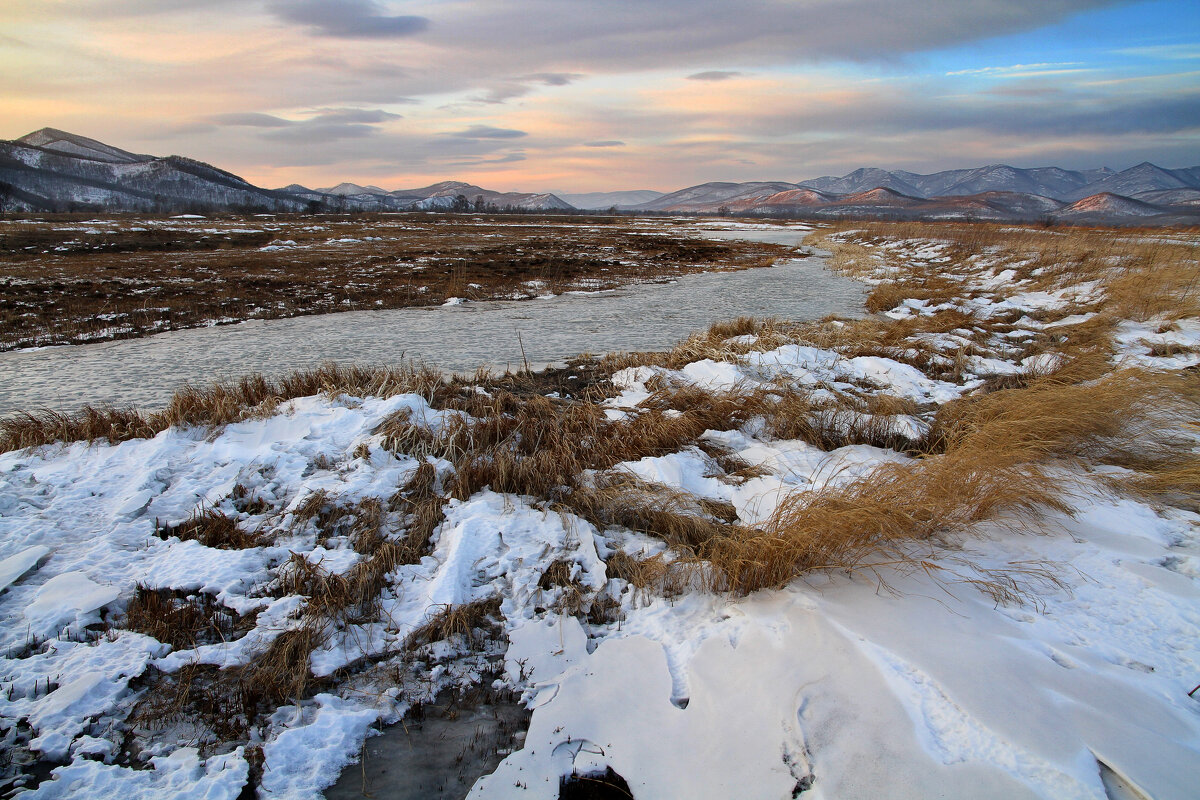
x=76, y=279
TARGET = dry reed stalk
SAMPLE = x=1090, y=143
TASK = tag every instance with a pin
x=218, y=404
x=178, y=619
x=212, y=528
x=457, y=621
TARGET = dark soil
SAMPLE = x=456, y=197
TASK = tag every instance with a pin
x=71, y=280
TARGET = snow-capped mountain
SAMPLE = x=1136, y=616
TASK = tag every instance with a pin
x=709, y=197
x=74, y=145
x=1107, y=204
x=994, y=192
x=604, y=200
x=1145, y=177
x=52, y=170
x=862, y=180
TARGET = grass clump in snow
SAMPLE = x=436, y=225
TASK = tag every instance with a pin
x=467, y=623
x=211, y=528
x=182, y=619
x=220, y=403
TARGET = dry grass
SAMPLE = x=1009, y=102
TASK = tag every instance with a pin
x=66, y=283
x=653, y=574
x=220, y=403
x=992, y=451
x=215, y=703
x=848, y=421
x=676, y=517
x=886, y=296
x=537, y=446
x=1176, y=480
x=212, y=528
x=469, y=623
x=1143, y=274
x=875, y=520
x=1129, y=417
x=180, y=619
x=986, y=455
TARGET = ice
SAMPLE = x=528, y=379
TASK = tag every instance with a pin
x=456, y=338
x=16, y=565
x=71, y=598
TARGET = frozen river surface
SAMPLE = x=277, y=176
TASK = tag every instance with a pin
x=147, y=371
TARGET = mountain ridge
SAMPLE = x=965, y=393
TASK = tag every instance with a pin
x=54, y=170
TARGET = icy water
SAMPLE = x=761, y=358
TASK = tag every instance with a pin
x=436, y=758
x=146, y=372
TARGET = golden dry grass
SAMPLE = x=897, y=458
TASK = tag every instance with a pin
x=1006, y=453
x=220, y=403
x=212, y=528
x=463, y=622
x=179, y=619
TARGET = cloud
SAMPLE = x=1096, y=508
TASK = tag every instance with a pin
x=1171, y=51
x=312, y=132
x=508, y=158
x=714, y=75
x=360, y=115
x=624, y=35
x=605, y=143
x=500, y=94
x=250, y=119
x=552, y=78
x=487, y=132
x=350, y=19
x=323, y=125
x=1025, y=70
x=520, y=86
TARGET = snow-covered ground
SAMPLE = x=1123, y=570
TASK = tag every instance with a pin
x=887, y=685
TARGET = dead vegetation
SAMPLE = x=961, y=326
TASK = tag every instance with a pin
x=1012, y=448
x=469, y=623
x=211, y=528
x=181, y=619
x=219, y=403
x=65, y=280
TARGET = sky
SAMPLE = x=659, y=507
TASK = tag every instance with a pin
x=601, y=95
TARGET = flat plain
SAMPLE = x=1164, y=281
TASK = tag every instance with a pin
x=73, y=280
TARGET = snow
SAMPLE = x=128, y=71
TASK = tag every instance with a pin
x=179, y=775
x=892, y=684
x=69, y=599
x=18, y=564
x=699, y=696
x=313, y=746
x=985, y=702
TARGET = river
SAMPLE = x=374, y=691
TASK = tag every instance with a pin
x=145, y=372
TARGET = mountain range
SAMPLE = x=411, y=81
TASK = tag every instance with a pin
x=52, y=170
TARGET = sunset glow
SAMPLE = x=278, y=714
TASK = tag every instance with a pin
x=575, y=96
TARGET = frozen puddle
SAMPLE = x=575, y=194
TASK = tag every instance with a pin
x=456, y=338
x=436, y=757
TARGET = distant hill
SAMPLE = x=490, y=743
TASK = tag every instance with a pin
x=52, y=170
x=1145, y=193
x=606, y=200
